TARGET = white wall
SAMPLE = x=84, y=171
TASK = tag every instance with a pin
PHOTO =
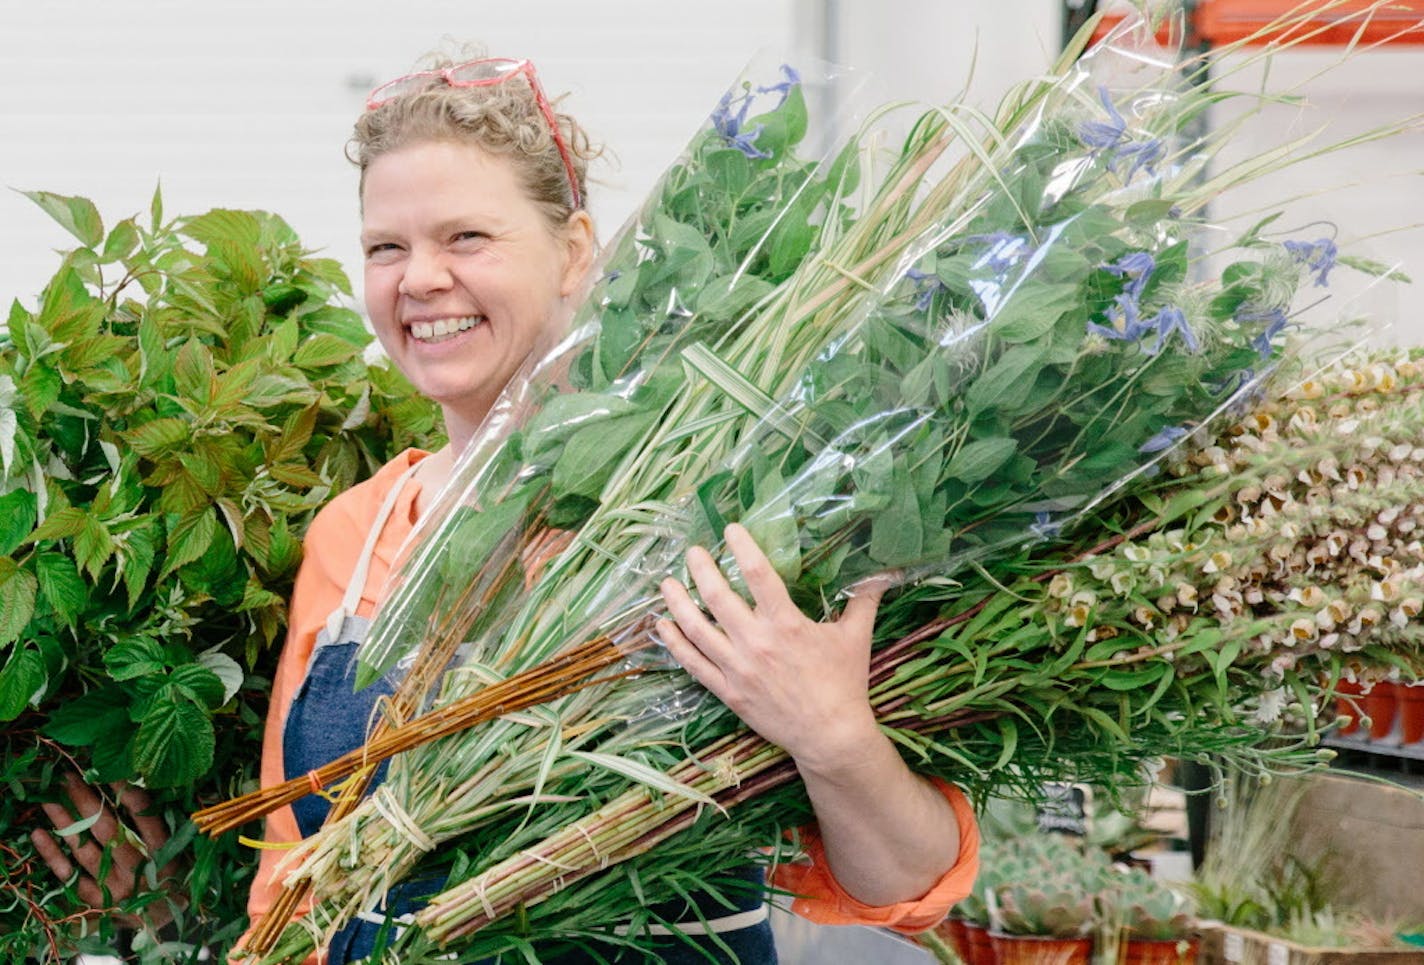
x=248, y=104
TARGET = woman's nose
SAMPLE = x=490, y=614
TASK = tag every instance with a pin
x=426, y=273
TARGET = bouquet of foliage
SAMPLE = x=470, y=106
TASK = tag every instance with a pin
x=962, y=365
x=184, y=397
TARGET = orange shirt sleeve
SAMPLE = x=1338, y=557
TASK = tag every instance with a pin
x=821, y=898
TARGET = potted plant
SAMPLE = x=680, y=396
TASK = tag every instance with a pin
x=1155, y=921
x=1045, y=909
x=967, y=927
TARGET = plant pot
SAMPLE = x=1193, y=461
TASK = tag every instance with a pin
x=1041, y=950
x=1170, y=951
x=1379, y=705
x=1347, y=705
x=952, y=931
x=978, y=948
x=1410, y=707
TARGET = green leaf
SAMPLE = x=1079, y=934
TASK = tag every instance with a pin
x=9, y=430
x=134, y=657
x=226, y=669
x=189, y=538
x=21, y=682
x=62, y=586
x=772, y=524
x=897, y=532
x=60, y=524
x=18, y=513
x=122, y=240
x=84, y=719
x=1007, y=382
x=76, y=215
x=93, y=546
x=199, y=684
x=321, y=350
x=17, y=600
x=594, y=452
x=1029, y=313
x=193, y=372
x=979, y=460
x=174, y=742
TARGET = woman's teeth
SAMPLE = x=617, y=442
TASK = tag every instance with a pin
x=429, y=331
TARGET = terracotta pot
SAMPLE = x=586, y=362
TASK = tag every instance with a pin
x=1347, y=704
x=1172, y=951
x=1410, y=706
x=980, y=950
x=1039, y=950
x=1379, y=706
x=952, y=931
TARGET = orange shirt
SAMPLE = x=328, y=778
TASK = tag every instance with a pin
x=334, y=542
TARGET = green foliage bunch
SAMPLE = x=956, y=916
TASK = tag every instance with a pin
x=185, y=396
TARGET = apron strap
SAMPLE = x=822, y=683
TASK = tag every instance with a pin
x=356, y=585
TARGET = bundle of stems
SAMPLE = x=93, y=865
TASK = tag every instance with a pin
x=965, y=358
x=1275, y=561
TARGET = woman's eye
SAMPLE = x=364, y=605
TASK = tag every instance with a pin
x=468, y=236
x=381, y=250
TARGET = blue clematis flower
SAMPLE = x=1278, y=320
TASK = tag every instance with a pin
x=1318, y=256
x=1165, y=439
x=1168, y=320
x=1004, y=251
x=926, y=287
x=732, y=126
x=791, y=79
x=1137, y=268
x=1140, y=155
x=1044, y=526
x=1274, y=321
x=1104, y=135
x=1125, y=322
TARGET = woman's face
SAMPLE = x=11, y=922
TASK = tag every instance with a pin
x=464, y=276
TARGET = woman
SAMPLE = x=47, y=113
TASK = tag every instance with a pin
x=476, y=246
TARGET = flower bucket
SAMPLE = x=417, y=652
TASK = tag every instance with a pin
x=979, y=947
x=1410, y=706
x=1347, y=705
x=1041, y=950
x=1379, y=706
x=1171, y=951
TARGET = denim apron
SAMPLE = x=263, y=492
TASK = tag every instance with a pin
x=328, y=718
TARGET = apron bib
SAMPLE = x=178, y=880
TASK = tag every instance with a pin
x=328, y=718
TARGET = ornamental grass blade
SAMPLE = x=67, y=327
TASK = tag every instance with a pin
x=645, y=775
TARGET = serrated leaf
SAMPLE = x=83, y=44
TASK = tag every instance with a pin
x=18, y=512
x=188, y=539
x=9, y=425
x=322, y=349
x=193, y=372
x=122, y=240
x=199, y=684
x=76, y=215
x=158, y=436
x=93, y=546
x=60, y=524
x=82, y=720
x=17, y=600
x=174, y=742
x=61, y=585
x=225, y=669
x=21, y=681
x=134, y=657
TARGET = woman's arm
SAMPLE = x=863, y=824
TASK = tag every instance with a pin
x=889, y=834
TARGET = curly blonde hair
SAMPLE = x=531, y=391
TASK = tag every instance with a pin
x=504, y=119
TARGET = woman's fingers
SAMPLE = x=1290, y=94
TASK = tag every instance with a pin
x=689, y=657
x=726, y=607
x=859, y=612
x=767, y=588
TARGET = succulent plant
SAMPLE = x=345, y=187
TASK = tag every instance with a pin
x=1048, y=887
x=1148, y=908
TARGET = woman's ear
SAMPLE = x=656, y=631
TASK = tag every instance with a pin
x=582, y=242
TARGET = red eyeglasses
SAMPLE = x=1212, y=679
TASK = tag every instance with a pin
x=485, y=72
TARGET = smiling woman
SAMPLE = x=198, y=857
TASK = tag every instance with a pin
x=476, y=248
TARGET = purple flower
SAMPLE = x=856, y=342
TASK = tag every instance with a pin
x=926, y=287
x=731, y=126
x=792, y=79
x=1318, y=256
x=1102, y=136
x=1044, y=526
x=1124, y=321
x=1168, y=320
x=1275, y=322
x=1004, y=251
x=1112, y=136
x=1163, y=440
x=1136, y=267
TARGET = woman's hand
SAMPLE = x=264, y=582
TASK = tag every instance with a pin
x=889, y=835
x=126, y=856
x=800, y=684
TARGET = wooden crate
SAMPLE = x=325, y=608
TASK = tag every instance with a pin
x=1224, y=945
